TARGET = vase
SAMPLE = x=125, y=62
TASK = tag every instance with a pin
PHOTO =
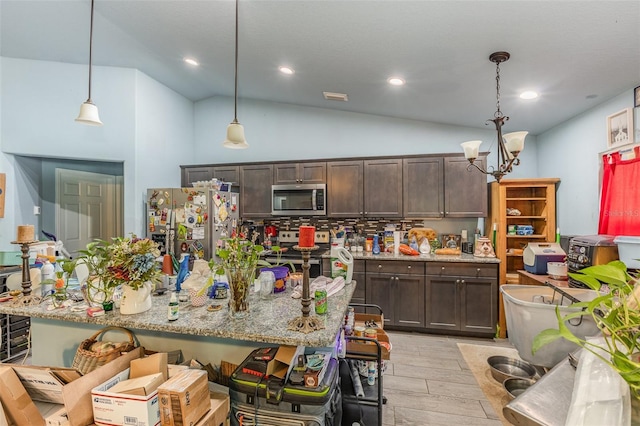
x=135, y=301
x=240, y=278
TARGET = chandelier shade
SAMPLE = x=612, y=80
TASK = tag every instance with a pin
x=88, y=110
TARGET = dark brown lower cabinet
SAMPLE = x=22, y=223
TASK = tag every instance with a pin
x=398, y=288
x=462, y=298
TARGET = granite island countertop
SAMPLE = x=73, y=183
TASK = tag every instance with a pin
x=461, y=258
x=267, y=320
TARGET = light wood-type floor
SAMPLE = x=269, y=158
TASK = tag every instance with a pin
x=427, y=382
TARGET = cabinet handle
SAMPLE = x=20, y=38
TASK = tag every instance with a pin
x=409, y=267
x=379, y=266
x=446, y=212
x=397, y=279
x=457, y=282
x=442, y=270
x=409, y=322
x=441, y=213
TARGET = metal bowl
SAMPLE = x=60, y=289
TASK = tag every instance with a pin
x=503, y=368
x=517, y=386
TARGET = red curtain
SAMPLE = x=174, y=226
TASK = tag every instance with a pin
x=620, y=198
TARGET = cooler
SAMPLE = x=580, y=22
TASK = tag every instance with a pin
x=278, y=404
x=536, y=256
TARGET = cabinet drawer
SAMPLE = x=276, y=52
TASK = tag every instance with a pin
x=394, y=267
x=473, y=270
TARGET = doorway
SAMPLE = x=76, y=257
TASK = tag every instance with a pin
x=88, y=207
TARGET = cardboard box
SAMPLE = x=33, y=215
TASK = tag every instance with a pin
x=184, y=399
x=18, y=406
x=112, y=408
x=284, y=361
x=156, y=363
x=141, y=386
x=46, y=383
x=218, y=412
x=77, y=394
x=361, y=319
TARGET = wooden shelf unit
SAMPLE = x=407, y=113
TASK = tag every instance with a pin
x=536, y=201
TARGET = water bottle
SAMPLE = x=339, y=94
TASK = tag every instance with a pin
x=376, y=245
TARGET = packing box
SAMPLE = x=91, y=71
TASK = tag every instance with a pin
x=18, y=406
x=76, y=394
x=152, y=364
x=112, y=408
x=218, y=411
x=184, y=399
x=141, y=386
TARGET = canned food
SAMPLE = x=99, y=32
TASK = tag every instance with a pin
x=358, y=331
x=321, y=301
x=371, y=333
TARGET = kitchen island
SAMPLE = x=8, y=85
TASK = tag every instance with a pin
x=200, y=334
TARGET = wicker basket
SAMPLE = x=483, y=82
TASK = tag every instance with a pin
x=87, y=360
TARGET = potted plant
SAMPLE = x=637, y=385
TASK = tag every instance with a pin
x=239, y=259
x=129, y=263
x=615, y=311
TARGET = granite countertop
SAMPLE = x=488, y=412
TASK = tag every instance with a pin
x=464, y=257
x=267, y=321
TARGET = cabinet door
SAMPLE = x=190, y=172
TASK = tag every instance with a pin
x=383, y=188
x=409, y=294
x=255, y=190
x=465, y=191
x=344, y=188
x=442, y=303
x=227, y=174
x=379, y=292
x=422, y=187
x=312, y=172
x=478, y=301
x=286, y=173
x=195, y=174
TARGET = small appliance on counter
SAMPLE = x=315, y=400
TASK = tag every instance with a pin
x=537, y=255
x=589, y=250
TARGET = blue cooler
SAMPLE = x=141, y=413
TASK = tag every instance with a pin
x=536, y=256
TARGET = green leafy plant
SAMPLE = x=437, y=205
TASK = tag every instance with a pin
x=279, y=261
x=616, y=313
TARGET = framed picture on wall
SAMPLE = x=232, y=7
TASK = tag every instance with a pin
x=636, y=97
x=620, y=128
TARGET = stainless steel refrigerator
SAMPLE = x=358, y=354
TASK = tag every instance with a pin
x=191, y=220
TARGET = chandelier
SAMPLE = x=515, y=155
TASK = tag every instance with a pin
x=89, y=110
x=509, y=145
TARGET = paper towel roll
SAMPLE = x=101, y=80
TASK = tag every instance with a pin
x=396, y=241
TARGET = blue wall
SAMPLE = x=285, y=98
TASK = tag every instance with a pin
x=571, y=152
x=145, y=129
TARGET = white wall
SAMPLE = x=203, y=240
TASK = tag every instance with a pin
x=278, y=131
x=570, y=152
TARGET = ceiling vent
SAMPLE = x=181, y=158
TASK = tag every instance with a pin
x=330, y=96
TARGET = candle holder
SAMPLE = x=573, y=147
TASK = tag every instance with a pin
x=305, y=323
x=26, y=275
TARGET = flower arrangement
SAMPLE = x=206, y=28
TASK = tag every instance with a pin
x=125, y=261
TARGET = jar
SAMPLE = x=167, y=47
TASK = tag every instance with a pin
x=368, y=245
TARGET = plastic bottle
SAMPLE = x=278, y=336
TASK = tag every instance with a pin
x=376, y=245
x=48, y=271
x=342, y=345
x=174, y=309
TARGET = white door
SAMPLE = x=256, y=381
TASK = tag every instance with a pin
x=88, y=207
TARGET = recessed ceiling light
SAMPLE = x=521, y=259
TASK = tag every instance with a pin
x=191, y=61
x=396, y=81
x=286, y=70
x=529, y=94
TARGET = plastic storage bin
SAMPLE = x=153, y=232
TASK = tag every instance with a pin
x=532, y=309
x=629, y=250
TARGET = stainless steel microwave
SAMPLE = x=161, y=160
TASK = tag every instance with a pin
x=299, y=200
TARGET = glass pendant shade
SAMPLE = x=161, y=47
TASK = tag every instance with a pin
x=235, y=137
x=471, y=149
x=515, y=141
x=89, y=114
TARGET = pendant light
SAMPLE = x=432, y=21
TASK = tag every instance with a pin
x=235, y=132
x=509, y=145
x=88, y=110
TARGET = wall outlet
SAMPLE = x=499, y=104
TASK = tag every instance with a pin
x=36, y=210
